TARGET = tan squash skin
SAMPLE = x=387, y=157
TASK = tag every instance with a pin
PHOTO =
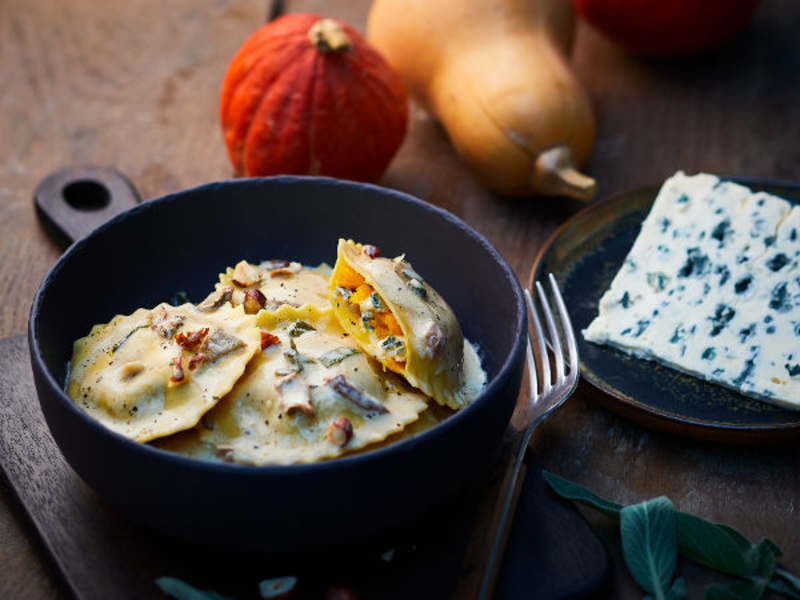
x=495, y=73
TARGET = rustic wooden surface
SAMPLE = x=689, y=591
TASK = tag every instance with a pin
x=101, y=554
x=135, y=84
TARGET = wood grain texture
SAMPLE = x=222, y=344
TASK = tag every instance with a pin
x=134, y=85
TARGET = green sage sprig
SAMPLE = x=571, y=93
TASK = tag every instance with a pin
x=654, y=533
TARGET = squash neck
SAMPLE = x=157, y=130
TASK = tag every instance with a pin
x=328, y=36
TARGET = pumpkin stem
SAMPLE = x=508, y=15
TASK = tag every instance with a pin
x=554, y=173
x=328, y=36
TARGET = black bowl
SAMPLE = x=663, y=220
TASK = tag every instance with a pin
x=181, y=242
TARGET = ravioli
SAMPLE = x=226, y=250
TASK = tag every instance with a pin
x=156, y=372
x=273, y=284
x=398, y=318
x=309, y=395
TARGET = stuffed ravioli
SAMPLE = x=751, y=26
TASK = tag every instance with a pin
x=309, y=395
x=273, y=284
x=282, y=363
x=156, y=372
x=398, y=318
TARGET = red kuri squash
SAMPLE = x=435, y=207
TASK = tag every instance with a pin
x=306, y=95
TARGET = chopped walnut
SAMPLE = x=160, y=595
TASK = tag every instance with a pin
x=177, y=370
x=268, y=339
x=295, y=395
x=246, y=275
x=435, y=340
x=219, y=344
x=352, y=393
x=340, y=431
x=216, y=299
x=254, y=301
x=192, y=339
x=196, y=361
x=371, y=251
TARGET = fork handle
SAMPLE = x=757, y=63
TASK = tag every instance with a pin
x=488, y=543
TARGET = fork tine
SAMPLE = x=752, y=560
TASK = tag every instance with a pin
x=539, y=335
x=533, y=380
x=555, y=338
x=566, y=324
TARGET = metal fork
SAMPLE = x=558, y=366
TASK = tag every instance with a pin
x=546, y=394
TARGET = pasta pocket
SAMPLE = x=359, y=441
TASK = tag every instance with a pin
x=398, y=318
x=156, y=372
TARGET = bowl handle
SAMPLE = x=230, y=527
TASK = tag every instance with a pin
x=73, y=201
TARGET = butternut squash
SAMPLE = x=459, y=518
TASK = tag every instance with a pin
x=495, y=74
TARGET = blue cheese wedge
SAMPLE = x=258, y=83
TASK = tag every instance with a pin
x=711, y=287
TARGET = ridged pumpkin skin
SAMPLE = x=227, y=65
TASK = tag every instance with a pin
x=495, y=73
x=306, y=95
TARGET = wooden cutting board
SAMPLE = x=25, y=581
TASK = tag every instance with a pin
x=552, y=553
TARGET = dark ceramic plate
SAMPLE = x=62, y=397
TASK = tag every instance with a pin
x=585, y=254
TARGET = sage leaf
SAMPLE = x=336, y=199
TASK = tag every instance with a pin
x=712, y=545
x=183, y=591
x=650, y=544
x=785, y=583
x=577, y=493
x=740, y=590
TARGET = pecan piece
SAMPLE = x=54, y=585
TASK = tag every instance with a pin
x=195, y=361
x=177, y=370
x=246, y=275
x=340, y=431
x=352, y=393
x=254, y=301
x=268, y=339
x=191, y=339
x=295, y=395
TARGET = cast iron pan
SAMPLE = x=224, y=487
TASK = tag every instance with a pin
x=180, y=242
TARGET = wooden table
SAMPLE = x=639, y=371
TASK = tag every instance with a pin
x=135, y=85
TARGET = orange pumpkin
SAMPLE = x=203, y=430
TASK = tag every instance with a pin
x=308, y=95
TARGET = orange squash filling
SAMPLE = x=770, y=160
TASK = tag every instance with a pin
x=382, y=324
